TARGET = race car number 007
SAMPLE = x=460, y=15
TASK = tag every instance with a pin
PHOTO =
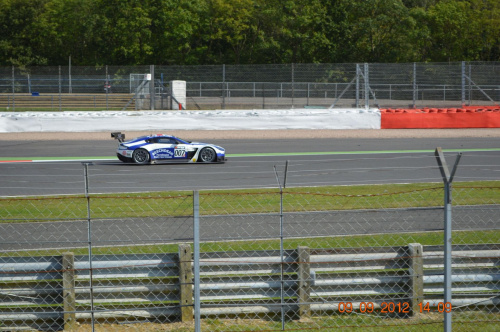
x=179, y=153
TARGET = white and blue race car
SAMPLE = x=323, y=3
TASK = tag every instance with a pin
x=153, y=148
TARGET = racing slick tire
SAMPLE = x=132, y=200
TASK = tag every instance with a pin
x=141, y=156
x=207, y=155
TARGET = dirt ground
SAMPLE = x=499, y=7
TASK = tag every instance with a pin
x=264, y=134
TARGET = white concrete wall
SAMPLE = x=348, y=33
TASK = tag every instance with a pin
x=189, y=120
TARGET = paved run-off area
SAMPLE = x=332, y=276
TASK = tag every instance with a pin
x=265, y=134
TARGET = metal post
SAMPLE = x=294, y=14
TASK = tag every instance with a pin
x=70, y=89
x=293, y=85
x=106, y=87
x=152, y=88
x=282, y=255
x=89, y=237
x=357, y=85
x=286, y=172
x=13, y=90
x=367, y=87
x=447, y=180
x=60, y=88
x=196, y=260
x=470, y=85
x=414, y=85
x=223, y=85
x=308, y=94
x=263, y=97
x=463, y=83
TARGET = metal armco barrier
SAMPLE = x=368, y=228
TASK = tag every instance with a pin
x=322, y=280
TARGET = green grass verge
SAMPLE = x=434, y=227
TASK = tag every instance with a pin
x=371, y=240
x=356, y=322
x=178, y=204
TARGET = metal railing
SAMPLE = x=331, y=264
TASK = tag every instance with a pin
x=270, y=86
x=406, y=281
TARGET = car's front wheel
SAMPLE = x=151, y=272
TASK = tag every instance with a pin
x=207, y=155
x=141, y=156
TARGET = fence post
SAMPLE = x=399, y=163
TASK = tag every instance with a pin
x=69, y=301
x=415, y=96
x=186, y=282
x=367, y=85
x=447, y=180
x=89, y=238
x=357, y=85
x=223, y=86
x=152, y=91
x=463, y=83
x=196, y=260
x=304, y=282
x=60, y=89
x=416, y=272
x=13, y=89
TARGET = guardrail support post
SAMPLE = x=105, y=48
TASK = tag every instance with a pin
x=304, y=282
x=416, y=272
x=186, y=282
x=69, y=301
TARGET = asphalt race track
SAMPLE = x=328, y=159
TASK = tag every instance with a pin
x=251, y=164
x=311, y=162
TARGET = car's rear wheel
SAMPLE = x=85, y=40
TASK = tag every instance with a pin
x=140, y=156
x=207, y=155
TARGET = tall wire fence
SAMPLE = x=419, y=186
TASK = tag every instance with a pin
x=284, y=259
x=453, y=84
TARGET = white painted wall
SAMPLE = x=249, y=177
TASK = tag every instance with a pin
x=189, y=120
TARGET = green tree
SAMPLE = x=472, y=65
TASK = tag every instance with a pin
x=487, y=12
x=125, y=31
x=380, y=30
x=293, y=31
x=19, y=41
x=455, y=31
x=68, y=28
x=230, y=29
x=176, y=31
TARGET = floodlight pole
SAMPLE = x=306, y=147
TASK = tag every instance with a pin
x=447, y=180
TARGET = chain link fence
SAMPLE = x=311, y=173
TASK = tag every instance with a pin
x=290, y=259
x=252, y=86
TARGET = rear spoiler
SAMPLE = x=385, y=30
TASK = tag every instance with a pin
x=119, y=136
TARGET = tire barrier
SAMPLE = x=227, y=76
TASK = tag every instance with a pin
x=438, y=118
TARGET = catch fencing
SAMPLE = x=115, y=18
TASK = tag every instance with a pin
x=416, y=85
x=288, y=259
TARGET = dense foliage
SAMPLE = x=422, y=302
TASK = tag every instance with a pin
x=197, y=32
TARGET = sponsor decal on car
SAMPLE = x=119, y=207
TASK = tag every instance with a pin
x=162, y=153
